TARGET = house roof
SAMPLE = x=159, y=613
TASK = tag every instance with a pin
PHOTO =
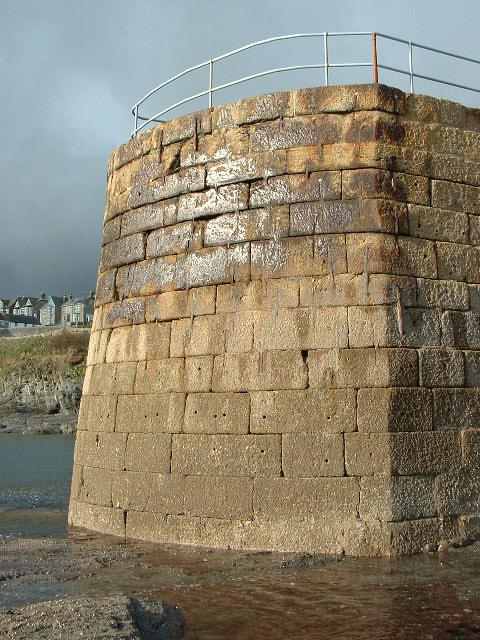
x=19, y=319
x=77, y=301
x=20, y=299
x=57, y=300
x=39, y=303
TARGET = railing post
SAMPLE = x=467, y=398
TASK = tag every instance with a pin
x=410, y=64
x=135, y=117
x=325, y=56
x=374, y=58
x=210, y=82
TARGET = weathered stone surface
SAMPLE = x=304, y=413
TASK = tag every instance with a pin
x=97, y=413
x=105, y=292
x=296, y=132
x=313, y=497
x=285, y=351
x=110, y=379
x=176, y=239
x=394, y=410
x=123, y=251
x=148, y=452
x=243, y=168
x=173, y=305
x=174, y=374
x=226, y=455
x=325, y=185
x=217, y=497
x=295, y=257
x=347, y=98
x=347, y=368
x=455, y=197
x=445, y=294
x=396, y=499
x=456, y=408
x=255, y=224
x=347, y=216
x=247, y=296
x=302, y=329
x=327, y=411
x=458, y=262
x=367, y=454
x=424, y=453
x=312, y=456
x=150, y=413
x=139, y=342
x=381, y=253
x=259, y=371
x=149, y=217
x=438, y=224
x=125, y=312
x=111, y=230
x=217, y=413
x=232, y=197
x=103, y=450
x=441, y=368
x=264, y=107
x=374, y=183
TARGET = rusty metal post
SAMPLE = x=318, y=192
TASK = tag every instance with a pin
x=374, y=58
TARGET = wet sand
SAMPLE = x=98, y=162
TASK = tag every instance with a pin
x=228, y=595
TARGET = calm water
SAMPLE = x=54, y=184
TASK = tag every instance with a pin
x=225, y=595
x=35, y=473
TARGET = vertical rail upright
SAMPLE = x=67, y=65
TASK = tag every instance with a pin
x=325, y=56
x=410, y=64
x=210, y=83
x=374, y=58
x=135, y=119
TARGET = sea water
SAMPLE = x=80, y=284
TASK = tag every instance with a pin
x=35, y=476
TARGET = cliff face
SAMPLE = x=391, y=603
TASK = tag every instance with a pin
x=43, y=373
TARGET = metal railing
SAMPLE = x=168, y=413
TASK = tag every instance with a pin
x=141, y=121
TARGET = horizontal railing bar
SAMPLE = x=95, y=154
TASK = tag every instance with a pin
x=292, y=68
x=323, y=65
x=419, y=75
x=245, y=79
x=173, y=106
x=451, y=84
x=164, y=84
x=423, y=46
x=244, y=48
x=289, y=37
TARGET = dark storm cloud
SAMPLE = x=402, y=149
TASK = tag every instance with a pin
x=70, y=72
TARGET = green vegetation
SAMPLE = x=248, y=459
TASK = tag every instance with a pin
x=70, y=347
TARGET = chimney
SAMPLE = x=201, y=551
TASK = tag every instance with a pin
x=43, y=295
x=70, y=296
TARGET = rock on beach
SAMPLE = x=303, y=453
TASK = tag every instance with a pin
x=116, y=617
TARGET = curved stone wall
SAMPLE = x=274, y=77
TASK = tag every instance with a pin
x=284, y=348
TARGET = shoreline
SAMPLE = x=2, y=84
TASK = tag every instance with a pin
x=37, y=423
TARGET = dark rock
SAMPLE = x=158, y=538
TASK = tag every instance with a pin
x=118, y=617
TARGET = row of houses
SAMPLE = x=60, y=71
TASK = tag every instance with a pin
x=68, y=311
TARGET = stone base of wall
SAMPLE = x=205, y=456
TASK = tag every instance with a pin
x=285, y=352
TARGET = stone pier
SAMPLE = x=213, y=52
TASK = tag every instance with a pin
x=285, y=351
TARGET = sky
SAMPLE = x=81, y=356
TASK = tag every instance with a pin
x=70, y=72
